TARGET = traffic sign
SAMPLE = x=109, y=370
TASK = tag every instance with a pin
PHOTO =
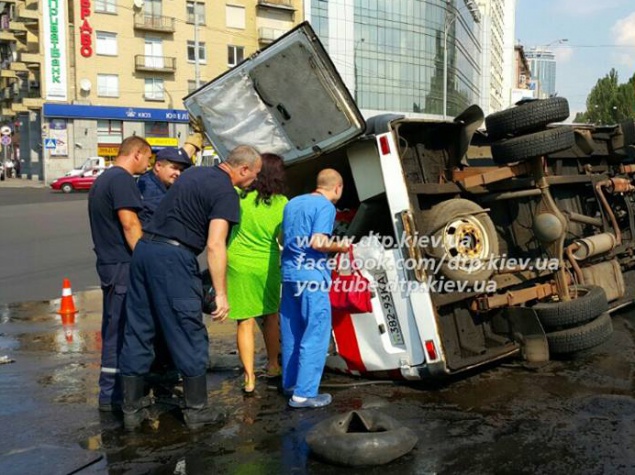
x=5, y=130
x=5, y=140
x=50, y=144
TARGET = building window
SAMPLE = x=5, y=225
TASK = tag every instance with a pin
x=154, y=89
x=107, y=85
x=235, y=55
x=200, y=11
x=106, y=6
x=109, y=131
x=106, y=43
x=156, y=129
x=235, y=17
x=191, y=52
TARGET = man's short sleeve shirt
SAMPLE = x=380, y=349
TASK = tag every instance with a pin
x=200, y=195
x=305, y=216
x=113, y=190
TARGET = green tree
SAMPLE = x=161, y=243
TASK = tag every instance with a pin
x=610, y=102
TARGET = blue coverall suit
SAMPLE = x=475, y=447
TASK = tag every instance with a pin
x=115, y=189
x=305, y=312
x=165, y=284
x=152, y=192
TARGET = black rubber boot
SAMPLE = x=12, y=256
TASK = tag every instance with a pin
x=197, y=413
x=135, y=402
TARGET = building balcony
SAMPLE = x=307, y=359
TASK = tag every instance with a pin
x=19, y=107
x=143, y=21
x=17, y=66
x=30, y=59
x=28, y=15
x=269, y=35
x=6, y=112
x=7, y=73
x=33, y=102
x=17, y=27
x=282, y=4
x=6, y=35
x=156, y=64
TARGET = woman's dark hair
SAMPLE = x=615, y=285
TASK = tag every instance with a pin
x=271, y=179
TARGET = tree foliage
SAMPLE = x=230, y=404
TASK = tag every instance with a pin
x=609, y=102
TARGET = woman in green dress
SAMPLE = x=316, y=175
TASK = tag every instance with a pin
x=253, y=266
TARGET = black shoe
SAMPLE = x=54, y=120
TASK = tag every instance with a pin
x=135, y=402
x=197, y=413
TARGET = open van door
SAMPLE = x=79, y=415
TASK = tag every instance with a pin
x=287, y=99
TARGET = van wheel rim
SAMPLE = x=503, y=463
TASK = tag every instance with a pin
x=465, y=239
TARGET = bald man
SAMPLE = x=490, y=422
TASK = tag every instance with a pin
x=305, y=308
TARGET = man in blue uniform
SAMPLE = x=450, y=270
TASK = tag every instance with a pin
x=153, y=185
x=305, y=308
x=113, y=203
x=165, y=285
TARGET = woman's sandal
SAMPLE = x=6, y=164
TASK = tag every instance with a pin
x=249, y=387
x=273, y=373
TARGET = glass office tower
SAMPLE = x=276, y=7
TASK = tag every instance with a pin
x=391, y=52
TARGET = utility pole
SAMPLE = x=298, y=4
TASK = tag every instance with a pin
x=197, y=67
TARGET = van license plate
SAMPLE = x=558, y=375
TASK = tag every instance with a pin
x=388, y=307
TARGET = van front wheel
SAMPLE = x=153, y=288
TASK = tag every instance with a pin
x=462, y=239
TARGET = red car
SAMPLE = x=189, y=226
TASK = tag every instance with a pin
x=73, y=183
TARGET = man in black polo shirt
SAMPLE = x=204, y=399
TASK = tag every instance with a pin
x=196, y=213
x=113, y=203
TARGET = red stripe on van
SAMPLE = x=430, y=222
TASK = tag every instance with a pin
x=347, y=346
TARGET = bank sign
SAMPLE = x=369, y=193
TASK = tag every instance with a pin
x=54, y=13
x=68, y=111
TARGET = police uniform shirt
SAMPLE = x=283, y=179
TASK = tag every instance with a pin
x=113, y=190
x=198, y=196
x=152, y=192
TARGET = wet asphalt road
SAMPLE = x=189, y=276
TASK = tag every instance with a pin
x=567, y=417
x=44, y=237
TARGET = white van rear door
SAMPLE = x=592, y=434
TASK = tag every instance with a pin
x=287, y=99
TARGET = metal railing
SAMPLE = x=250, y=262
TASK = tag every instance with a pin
x=282, y=3
x=155, y=63
x=144, y=21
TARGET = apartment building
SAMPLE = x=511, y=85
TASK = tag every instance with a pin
x=113, y=68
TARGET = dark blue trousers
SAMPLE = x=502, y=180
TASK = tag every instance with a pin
x=165, y=292
x=114, y=285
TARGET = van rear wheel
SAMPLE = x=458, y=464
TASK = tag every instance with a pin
x=463, y=238
x=526, y=118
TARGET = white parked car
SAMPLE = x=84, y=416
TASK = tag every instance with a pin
x=89, y=164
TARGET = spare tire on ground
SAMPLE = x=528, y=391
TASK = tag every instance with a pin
x=527, y=117
x=359, y=438
x=587, y=302
x=529, y=146
x=582, y=337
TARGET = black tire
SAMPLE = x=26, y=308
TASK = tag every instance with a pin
x=66, y=188
x=529, y=146
x=525, y=118
x=590, y=301
x=459, y=217
x=581, y=338
x=360, y=438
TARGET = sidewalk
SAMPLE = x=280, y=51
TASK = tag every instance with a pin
x=21, y=183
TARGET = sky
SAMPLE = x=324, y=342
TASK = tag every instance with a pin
x=600, y=34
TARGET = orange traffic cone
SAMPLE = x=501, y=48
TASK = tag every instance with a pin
x=67, y=305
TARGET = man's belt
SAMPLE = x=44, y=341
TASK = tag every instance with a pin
x=165, y=240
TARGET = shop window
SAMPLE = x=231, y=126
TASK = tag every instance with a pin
x=235, y=55
x=107, y=85
x=156, y=129
x=154, y=89
x=106, y=43
x=191, y=52
x=235, y=17
x=109, y=131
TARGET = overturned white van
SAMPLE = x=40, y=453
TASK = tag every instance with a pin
x=515, y=241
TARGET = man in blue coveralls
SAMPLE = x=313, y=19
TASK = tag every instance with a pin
x=113, y=203
x=165, y=284
x=305, y=308
x=153, y=185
